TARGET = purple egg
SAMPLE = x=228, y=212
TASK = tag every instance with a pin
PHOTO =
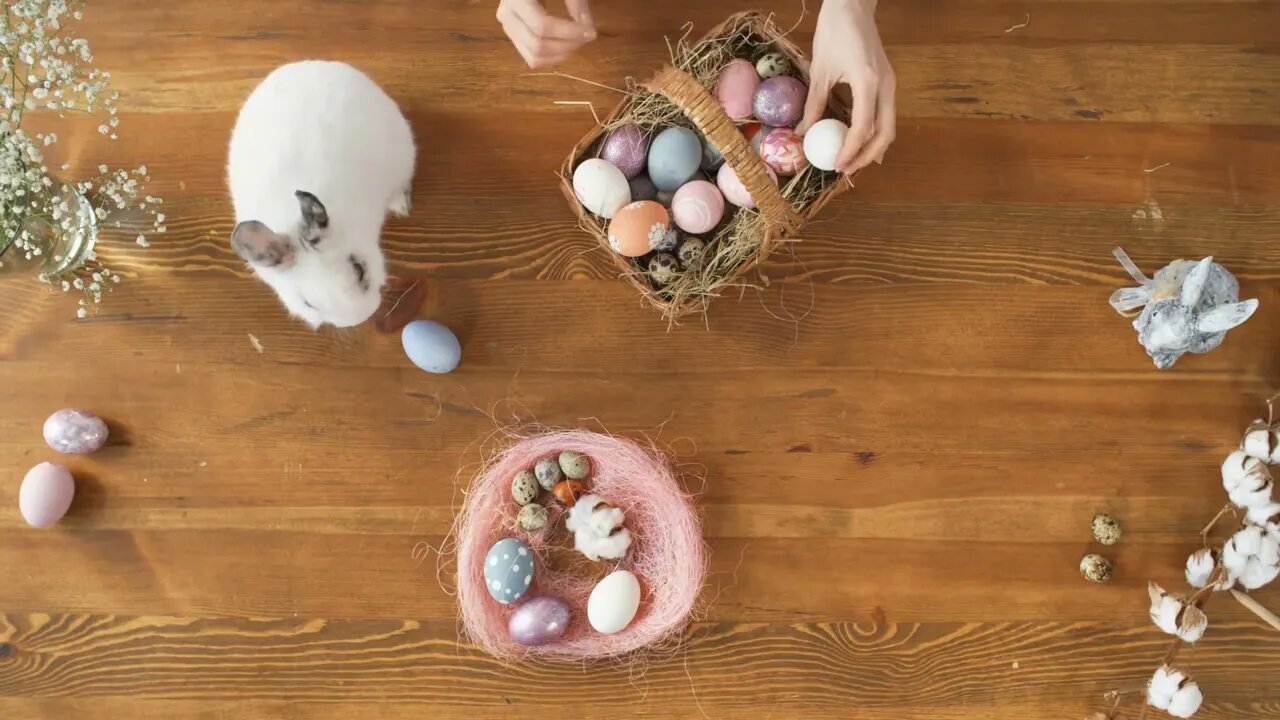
x=539, y=621
x=780, y=101
x=627, y=147
x=642, y=188
x=74, y=432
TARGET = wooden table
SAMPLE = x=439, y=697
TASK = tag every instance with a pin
x=904, y=435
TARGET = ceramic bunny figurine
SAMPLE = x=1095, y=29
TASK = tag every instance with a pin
x=1189, y=307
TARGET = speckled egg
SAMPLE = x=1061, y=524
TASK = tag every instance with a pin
x=733, y=189
x=46, y=494
x=783, y=150
x=697, y=207
x=711, y=156
x=1096, y=568
x=642, y=188
x=575, y=465
x=638, y=228
x=508, y=570
x=547, y=471
x=779, y=101
x=690, y=252
x=568, y=492
x=663, y=268
x=669, y=241
x=601, y=187
x=524, y=488
x=431, y=346
x=736, y=88
x=532, y=517
x=674, y=158
x=75, y=432
x=823, y=141
x=1106, y=529
x=539, y=621
x=772, y=65
x=627, y=147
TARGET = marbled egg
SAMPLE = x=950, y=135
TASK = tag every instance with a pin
x=74, y=432
x=431, y=346
x=574, y=465
x=772, y=65
x=508, y=570
x=737, y=87
x=823, y=141
x=547, y=471
x=524, y=488
x=638, y=228
x=783, y=150
x=669, y=241
x=601, y=187
x=697, y=207
x=539, y=621
x=568, y=492
x=642, y=188
x=674, y=158
x=532, y=517
x=690, y=252
x=46, y=493
x=733, y=189
x=613, y=602
x=627, y=147
x=663, y=268
x=779, y=101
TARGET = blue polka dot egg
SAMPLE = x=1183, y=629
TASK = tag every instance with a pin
x=508, y=570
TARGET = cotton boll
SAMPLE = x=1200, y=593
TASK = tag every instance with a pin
x=1247, y=480
x=1252, y=556
x=1165, y=609
x=1262, y=441
x=1164, y=684
x=1200, y=567
x=1186, y=702
x=1257, y=575
x=1267, y=516
x=597, y=528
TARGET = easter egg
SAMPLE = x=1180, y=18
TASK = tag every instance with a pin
x=614, y=602
x=772, y=65
x=531, y=517
x=783, y=151
x=759, y=137
x=574, y=465
x=568, y=492
x=638, y=228
x=737, y=87
x=733, y=189
x=431, y=346
x=642, y=188
x=45, y=495
x=627, y=148
x=74, y=432
x=823, y=141
x=508, y=570
x=779, y=101
x=601, y=187
x=690, y=252
x=711, y=156
x=663, y=268
x=524, y=488
x=547, y=471
x=669, y=241
x=674, y=158
x=539, y=621
x=697, y=207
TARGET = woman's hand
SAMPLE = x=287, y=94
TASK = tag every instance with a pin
x=847, y=49
x=542, y=39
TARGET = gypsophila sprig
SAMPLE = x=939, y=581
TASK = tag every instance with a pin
x=48, y=221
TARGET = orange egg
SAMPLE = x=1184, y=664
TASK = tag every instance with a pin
x=638, y=228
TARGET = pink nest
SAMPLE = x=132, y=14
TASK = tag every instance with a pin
x=667, y=553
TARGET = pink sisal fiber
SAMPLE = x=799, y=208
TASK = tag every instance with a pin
x=667, y=553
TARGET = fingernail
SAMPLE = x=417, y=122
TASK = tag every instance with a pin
x=589, y=34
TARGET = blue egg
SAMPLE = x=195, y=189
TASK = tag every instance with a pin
x=674, y=158
x=508, y=570
x=431, y=346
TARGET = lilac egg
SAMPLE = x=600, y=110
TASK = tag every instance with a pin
x=780, y=101
x=45, y=495
x=539, y=621
x=74, y=432
x=627, y=147
x=642, y=188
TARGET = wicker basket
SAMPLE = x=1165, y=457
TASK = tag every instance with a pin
x=782, y=218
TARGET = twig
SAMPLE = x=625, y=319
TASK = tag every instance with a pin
x=1209, y=528
x=589, y=105
x=1158, y=167
x=557, y=73
x=1022, y=24
x=1256, y=608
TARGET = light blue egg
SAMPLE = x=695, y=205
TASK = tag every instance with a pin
x=508, y=570
x=674, y=158
x=431, y=346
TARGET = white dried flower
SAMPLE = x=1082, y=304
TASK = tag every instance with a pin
x=1174, y=615
x=597, y=528
x=1247, y=480
x=1175, y=693
x=1200, y=567
x=1252, y=556
x=1262, y=441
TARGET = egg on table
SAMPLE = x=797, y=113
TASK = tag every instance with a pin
x=675, y=156
x=627, y=148
x=75, y=432
x=613, y=602
x=783, y=151
x=779, y=101
x=697, y=207
x=508, y=570
x=638, y=228
x=733, y=189
x=823, y=141
x=601, y=187
x=736, y=88
x=431, y=346
x=45, y=494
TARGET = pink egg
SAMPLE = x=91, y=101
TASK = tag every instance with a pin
x=736, y=88
x=627, y=147
x=733, y=189
x=783, y=151
x=779, y=101
x=697, y=207
x=45, y=494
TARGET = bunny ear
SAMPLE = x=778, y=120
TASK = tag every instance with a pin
x=1225, y=317
x=1193, y=286
x=1126, y=300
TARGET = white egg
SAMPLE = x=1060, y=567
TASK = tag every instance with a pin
x=614, y=602
x=601, y=187
x=823, y=141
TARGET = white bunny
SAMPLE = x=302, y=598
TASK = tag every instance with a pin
x=319, y=156
x=1190, y=306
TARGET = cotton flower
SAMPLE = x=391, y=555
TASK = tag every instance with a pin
x=1174, y=615
x=1252, y=556
x=1262, y=441
x=1200, y=567
x=1247, y=480
x=1266, y=516
x=597, y=528
x=1175, y=693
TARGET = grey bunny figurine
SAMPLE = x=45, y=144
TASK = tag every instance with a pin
x=1189, y=307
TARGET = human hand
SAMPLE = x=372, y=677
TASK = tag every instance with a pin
x=542, y=39
x=847, y=49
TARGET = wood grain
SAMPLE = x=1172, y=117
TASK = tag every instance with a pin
x=897, y=435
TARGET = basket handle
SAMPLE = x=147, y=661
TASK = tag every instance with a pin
x=707, y=114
